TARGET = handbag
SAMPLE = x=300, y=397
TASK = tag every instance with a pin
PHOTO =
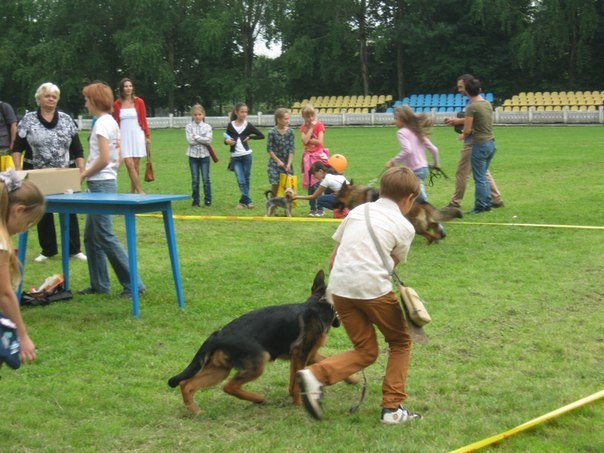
x=149, y=174
x=287, y=181
x=413, y=305
x=10, y=347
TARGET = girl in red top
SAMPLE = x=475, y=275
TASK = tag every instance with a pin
x=312, y=132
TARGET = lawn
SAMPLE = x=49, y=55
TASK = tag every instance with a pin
x=517, y=313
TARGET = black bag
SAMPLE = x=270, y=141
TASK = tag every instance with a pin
x=37, y=299
x=10, y=347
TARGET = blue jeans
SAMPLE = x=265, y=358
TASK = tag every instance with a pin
x=242, y=165
x=327, y=201
x=422, y=174
x=200, y=165
x=482, y=154
x=102, y=244
x=314, y=206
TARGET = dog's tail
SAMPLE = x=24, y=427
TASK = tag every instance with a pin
x=446, y=214
x=197, y=363
x=268, y=194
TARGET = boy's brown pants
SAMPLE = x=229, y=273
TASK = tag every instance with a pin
x=358, y=318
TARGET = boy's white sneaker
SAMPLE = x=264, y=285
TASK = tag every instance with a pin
x=312, y=393
x=398, y=415
x=79, y=256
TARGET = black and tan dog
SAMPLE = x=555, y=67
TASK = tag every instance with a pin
x=285, y=202
x=424, y=217
x=426, y=220
x=248, y=343
x=351, y=195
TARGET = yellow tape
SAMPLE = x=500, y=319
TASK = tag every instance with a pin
x=491, y=440
x=534, y=225
x=327, y=219
x=252, y=218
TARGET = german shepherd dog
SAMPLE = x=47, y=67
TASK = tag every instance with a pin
x=292, y=331
x=424, y=217
x=285, y=202
x=351, y=195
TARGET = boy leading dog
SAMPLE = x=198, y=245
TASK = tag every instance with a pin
x=363, y=297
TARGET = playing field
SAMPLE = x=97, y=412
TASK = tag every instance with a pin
x=515, y=295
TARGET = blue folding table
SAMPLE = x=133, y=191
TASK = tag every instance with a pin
x=127, y=205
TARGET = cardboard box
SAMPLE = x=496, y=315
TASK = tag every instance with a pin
x=55, y=180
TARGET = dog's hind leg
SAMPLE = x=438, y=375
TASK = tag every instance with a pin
x=212, y=373
x=250, y=370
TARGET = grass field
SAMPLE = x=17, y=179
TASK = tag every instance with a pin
x=517, y=315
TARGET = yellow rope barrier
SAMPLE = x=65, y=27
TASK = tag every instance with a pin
x=536, y=421
x=330, y=220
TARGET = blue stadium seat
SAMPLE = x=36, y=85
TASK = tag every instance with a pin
x=389, y=110
x=397, y=103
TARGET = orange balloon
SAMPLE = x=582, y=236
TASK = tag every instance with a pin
x=338, y=163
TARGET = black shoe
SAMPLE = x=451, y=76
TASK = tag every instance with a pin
x=127, y=294
x=195, y=204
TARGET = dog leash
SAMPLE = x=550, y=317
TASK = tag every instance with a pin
x=355, y=407
x=435, y=173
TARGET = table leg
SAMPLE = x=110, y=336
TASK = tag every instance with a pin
x=171, y=238
x=21, y=253
x=64, y=222
x=132, y=262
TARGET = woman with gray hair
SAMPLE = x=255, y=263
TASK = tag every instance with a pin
x=49, y=138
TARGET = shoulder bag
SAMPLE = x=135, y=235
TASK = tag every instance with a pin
x=413, y=305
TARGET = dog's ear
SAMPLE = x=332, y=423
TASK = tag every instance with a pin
x=318, y=285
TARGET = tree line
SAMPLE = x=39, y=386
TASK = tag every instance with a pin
x=179, y=52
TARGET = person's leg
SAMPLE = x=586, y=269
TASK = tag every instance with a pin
x=481, y=156
x=75, y=246
x=132, y=165
x=386, y=314
x=313, y=203
x=194, y=167
x=207, y=184
x=362, y=335
x=247, y=171
x=326, y=201
x=496, y=198
x=110, y=244
x=461, y=175
x=422, y=174
x=97, y=262
x=242, y=167
x=47, y=236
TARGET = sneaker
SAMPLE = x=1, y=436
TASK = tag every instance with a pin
x=453, y=205
x=340, y=213
x=127, y=294
x=498, y=205
x=312, y=393
x=250, y=206
x=207, y=203
x=477, y=211
x=79, y=256
x=312, y=214
x=41, y=258
x=87, y=291
x=240, y=206
x=398, y=415
x=319, y=213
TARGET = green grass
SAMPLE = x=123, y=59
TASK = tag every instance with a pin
x=517, y=316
